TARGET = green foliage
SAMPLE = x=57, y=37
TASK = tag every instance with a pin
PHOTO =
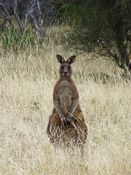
x=101, y=20
x=90, y=21
x=12, y=39
x=76, y=13
x=68, y=14
x=80, y=16
x=88, y=24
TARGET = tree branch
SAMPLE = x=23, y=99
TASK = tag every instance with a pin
x=17, y=16
x=7, y=15
x=108, y=51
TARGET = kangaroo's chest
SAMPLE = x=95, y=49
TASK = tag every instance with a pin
x=65, y=96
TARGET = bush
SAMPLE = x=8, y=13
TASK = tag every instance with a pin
x=12, y=39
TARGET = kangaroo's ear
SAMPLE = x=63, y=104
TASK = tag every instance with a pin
x=71, y=59
x=60, y=59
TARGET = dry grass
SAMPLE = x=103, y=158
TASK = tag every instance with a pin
x=26, y=85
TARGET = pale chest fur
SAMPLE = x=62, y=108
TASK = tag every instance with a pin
x=65, y=94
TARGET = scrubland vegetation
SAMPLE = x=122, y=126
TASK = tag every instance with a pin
x=27, y=78
x=99, y=34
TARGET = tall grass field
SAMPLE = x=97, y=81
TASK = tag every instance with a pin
x=27, y=80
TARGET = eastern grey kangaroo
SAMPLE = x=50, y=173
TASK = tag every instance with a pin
x=66, y=123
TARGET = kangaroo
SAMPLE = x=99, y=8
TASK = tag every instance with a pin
x=66, y=123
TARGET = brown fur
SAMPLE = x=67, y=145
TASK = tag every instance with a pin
x=72, y=133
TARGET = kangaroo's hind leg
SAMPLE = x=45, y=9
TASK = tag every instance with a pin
x=53, y=128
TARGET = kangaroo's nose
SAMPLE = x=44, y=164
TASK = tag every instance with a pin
x=65, y=69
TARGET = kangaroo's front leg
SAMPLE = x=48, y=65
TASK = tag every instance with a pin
x=56, y=102
x=75, y=103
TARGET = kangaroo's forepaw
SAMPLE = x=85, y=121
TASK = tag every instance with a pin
x=70, y=118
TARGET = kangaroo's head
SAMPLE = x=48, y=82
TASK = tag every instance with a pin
x=65, y=66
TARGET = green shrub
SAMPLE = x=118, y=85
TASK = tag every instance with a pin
x=12, y=39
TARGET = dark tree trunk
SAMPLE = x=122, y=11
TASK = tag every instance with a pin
x=122, y=44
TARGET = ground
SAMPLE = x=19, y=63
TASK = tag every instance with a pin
x=26, y=87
